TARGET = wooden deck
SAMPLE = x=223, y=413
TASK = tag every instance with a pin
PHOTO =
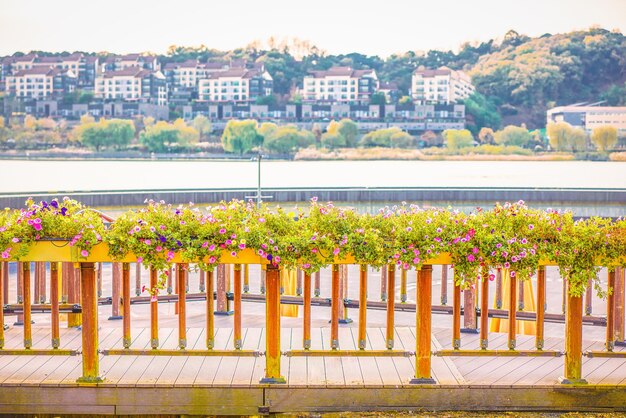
x=230, y=385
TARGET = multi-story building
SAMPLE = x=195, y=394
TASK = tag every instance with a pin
x=40, y=82
x=590, y=117
x=440, y=86
x=235, y=85
x=340, y=84
x=133, y=84
x=121, y=62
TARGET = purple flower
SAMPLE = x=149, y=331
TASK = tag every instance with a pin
x=242, y=246
x=336, y=251
x=180, y=244
x=140, y=259
x=228, y=242
x=54, y=204
x=512, y=274
x=63, y=211
x=162, y=238
x=6, y=253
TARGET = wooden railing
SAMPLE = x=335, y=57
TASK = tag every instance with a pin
x=83, y=297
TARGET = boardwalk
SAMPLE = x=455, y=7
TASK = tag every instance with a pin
x=157, y=384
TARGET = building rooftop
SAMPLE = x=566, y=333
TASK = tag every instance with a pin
x=341, y=71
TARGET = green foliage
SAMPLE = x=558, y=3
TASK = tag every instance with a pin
x=241, y=136
x=513, y=135
x=458, y=138
x=333, y=140
x=115, y=133
x=349, y=130
x=378, y=99
x=160, y=137
x=563, y=137
x=266, y=100
x=481, y=112
x=388, y=137
x=286, y=139
x=200, y=123
x=604, y=137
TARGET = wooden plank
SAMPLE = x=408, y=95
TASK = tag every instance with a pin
x=498, y=342
x=134, y=373
x=443, y=368
x=210, y=365
x=243, y=372
x=258, y=370
x=178, y=363
x=405, y=366
x=18, y=367
x=332, y=365
x=227, y=366
x=297, y=375
x=315, y=372
x=119, y=367
x=369, y=368
x=386, y=368
x=188, y=374
x=159, y=364
x=351, y=369
x=551, y=374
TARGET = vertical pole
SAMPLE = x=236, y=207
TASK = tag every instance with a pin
x=383, y=283
x=619, y=305
x=89, y=302
x=3, y=267
x=116, y=282
x=564, y=302
x=272, y=336
x=237, y=300
x=65, y=282
x=186, y=273
x=137, y=279
x=520, y=295
x=20, y=291
x=444, y=284
x=262, y=287
x=176, y=290
x=541, y=306
x=573, y=340
x=99, y=278
x=28, y=326
x=126, y=339
x=403, y=296
x=306, y=336
x=423, y=307
x=610, y=312
x=298, y=282
x=512, y=311
x=484, y=309
x=223, y=277
x=499, y=288
x=391, y=304
x=210, y=309
x=246, y=278
x=182, y=305
x=5, y=281
x=317, y=285
x=588, y=295
x=37, y=286
x=342, y=306
x=154, y=310
x=456, y=317
x=334, y=311
x=74, y=294
x=54, y=302
x=363, y=307
x=469, y=310
x=202, y=281
x=169, y=283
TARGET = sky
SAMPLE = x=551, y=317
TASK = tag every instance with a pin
x=336, y=26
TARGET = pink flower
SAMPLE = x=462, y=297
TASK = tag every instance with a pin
x=471, y=258
x=507, y=265
x=336, y=251
x=228, y=242
x=475, y=250
x=212, y=247
x=15, y=240
x=306, y=266
x=37, y=227
x=222, y=231
x=261, y=220
x=84, y=253
x=242, y=246
x=140, y=259
x=416, y=260
x=233, y=236
x=234, y=254
x=492, y=277
x=512, y=274
x=147, y=242
x=212, y=259
x=277, y=259
x=531, y=226
x=158, y=248
x=6, y=253
x=205, y=244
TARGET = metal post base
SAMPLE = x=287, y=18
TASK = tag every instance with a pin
x=273, y=380
x=470, y=330
x=115, y=318
x=224, y=313
x=565, y=381
x=345, y=321
x=423, y=381
x=90, y=380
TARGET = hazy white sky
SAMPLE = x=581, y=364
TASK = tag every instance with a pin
x=337, y=26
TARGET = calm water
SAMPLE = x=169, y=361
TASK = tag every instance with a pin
x=60, y=176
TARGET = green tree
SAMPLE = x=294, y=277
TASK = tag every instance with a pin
x=202, y=124
x=349, y=130
x=513, y=135
x=333, y=140
x=604, y=137
x=481, y=112
x=120, y=132
x=405, y=100
x=378, y=99
x=287, y=139
x=564, y=137
x=188, y=135
x=241, y=136
x=160, y=137
x=95, y=135
x=458, y=138
x=266, y=100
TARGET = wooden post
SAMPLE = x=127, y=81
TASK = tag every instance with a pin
x=317, y=285
x=65, y=281
x=484, y=309
x=40, y=282
x=99, y=278
x=573, y=340
x=541, y=306
x=512, y=309
x=272, y=335
x=610, y=312
x=263, y=287
x=210, y=318
x=237, y=299
x=186, y=274
x=619, y=306
x=73, y=293
x=182, y=306
x=499, y=288
x=28, y=326
x=89, y=302
x=176, y=290
x=470, y=324
x=116, y=283
x=5, y=281
x=456, y=317
x=169, y=284
x=520, y=295
x=403, y=295
x=363, y=307
x=391, y=304
x=137, y=279
x=344, y=318
x=334, y=310
x=126, y=339
x=423, y=302
x=54, y=302
x=20, y=291
x=3, y=267
x=588, y=296
x=383, y=283
x=223, y=280
x=306, y=332
x=154, y=310
x=564, y=293
x=202, y=281
x=342, y=306
x=298, y=282
x=444, y=284
x=246, y=278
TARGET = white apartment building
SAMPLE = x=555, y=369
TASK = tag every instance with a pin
x=132, y=84
x=40, y=82
x=234, y=85
x=340, y=84
x=590, y=117
x=441, y=86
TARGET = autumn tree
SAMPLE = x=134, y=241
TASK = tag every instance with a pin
x=241, y=136
x=513, y=135
x=202, y=125
x=486, y=136
x=604, y=137
x=458, y=138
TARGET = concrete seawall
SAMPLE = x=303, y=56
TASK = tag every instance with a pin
x=588, y=197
